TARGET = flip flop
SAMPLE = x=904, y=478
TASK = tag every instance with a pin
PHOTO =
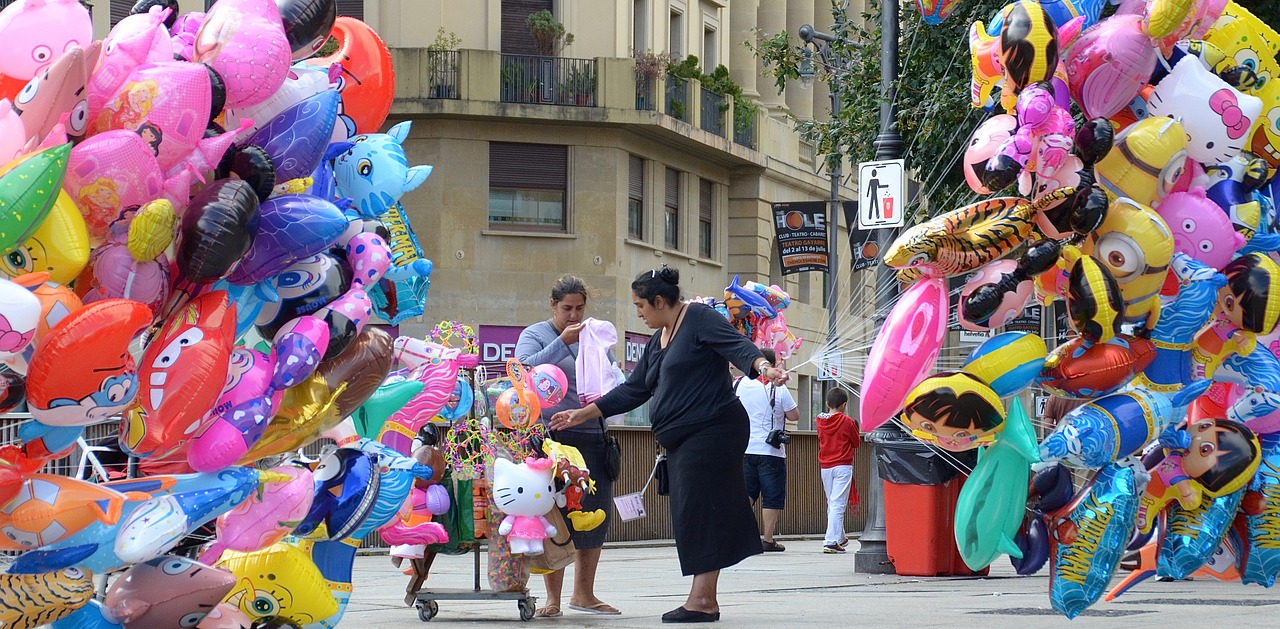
x=602, y=609
x=550, y=611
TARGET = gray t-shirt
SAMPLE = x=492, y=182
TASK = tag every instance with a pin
x=540, y=344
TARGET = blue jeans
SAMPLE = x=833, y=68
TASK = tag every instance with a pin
x=766, y=475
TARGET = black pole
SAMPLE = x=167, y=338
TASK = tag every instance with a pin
x=872, y=556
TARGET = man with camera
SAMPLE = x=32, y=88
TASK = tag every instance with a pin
x=769, y=408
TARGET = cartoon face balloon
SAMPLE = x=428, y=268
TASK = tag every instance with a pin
x=35, y=32
x=1200, y=228
x=984, y=143
x=1216, y=116
x=375, y=172
x=167, y=592
x=1148, y=161
x=55, y=91
x=956, y=411
x=1136, y=245
x=59, y=247
x=82, y=371
x=181, y=374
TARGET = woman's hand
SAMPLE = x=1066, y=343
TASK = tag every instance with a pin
x=568, y=419
x=777, y=375
x=571, y=332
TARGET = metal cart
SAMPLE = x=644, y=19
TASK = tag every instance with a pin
x=425, y=599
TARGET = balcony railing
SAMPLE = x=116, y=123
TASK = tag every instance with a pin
x=645, y=100
x=744, y=128
x=548, y=80
x=677, y=98
x=442, y=74
x=713, y=108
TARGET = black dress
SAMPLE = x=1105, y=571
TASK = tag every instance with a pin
x=702, y=425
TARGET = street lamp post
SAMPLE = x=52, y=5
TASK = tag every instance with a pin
x=822, y=43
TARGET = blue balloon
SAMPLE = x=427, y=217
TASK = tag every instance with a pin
x=291, y=227
x=91, y=616
x=297, y=137
x=1264, y=526
x=1192, y=536
x=1116, y=426
x=1180, y=320
x=1091, y=540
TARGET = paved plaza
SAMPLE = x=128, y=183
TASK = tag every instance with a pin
x=804, y=588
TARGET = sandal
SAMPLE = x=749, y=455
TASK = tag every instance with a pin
x=550, y=611
x=680, y=614
x=601, y=608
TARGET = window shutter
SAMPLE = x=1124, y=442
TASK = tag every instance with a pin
x=119, y=10
x=704, y=199
x=536, y=166
x=673, y=188
x=636, y=186
x=516, y=38
x=351, y=8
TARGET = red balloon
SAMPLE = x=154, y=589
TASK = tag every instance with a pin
x=368, y=75
x=82, y=372
x=182, y=374
x=1077, y=372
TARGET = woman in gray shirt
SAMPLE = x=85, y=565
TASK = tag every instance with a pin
x=555, y=342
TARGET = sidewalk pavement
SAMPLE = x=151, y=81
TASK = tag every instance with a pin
x=804, y=587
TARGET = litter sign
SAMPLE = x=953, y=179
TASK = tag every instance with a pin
x=882, y=194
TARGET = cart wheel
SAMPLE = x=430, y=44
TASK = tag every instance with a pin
x=427, y=610
x=526, y=608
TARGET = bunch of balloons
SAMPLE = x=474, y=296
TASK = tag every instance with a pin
x=756, y=310
x=199, y=219
x=1155, y=220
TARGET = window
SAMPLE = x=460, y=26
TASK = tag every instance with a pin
x=671, y=218
x=516, y=38
x=351, y=8
x=676, y=45
x=640, y=25
x=635, y=199
x=527, y=186
x=119, y=10
x=706, y=203
x=710, y=47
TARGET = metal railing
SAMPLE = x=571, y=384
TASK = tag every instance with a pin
x=548, y=80
x=677, y=98
x=645, y=100
x=713, y=110
x=744, y=128
x=442, y=74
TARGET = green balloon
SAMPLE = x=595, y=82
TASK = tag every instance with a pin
x=384, y=402
x=993, y=501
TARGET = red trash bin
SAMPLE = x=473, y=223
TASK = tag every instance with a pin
x=920, y=529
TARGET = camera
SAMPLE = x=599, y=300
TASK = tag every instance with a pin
x=777, y=438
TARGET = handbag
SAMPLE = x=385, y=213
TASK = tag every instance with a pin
x=557, y=550
x=612, y=453
x=660, y=477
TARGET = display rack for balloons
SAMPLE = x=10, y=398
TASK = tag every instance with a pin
x=1154, y=218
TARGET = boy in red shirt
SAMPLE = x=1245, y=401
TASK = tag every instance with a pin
x=838, y=440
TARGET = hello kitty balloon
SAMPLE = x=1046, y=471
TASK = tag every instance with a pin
x=525, y=493
x=35, y=32
x=1217, y=117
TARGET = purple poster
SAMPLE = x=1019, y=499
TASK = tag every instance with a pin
x=497, y=345
x=634, y=349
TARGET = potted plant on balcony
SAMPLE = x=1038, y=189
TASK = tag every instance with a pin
x=579, y=85
x=649, y=66
x=442, y=64
x=549, y=35
x=677, y=89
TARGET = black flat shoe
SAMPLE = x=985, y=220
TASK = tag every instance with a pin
x=680, y=614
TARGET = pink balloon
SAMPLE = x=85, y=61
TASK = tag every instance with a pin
x=1200, y=228
x=109, y=172
x=905, y=350
x=266, y=516
x=135, y=40
x=13, y=135
x=244, y=41
x=35, y=32
x=117, y=275
x=184, y=34
x=169, y=105
x=369, y=256
x=550, y=383
x=1109, y=65
x=57, y=91
x=1010, y=306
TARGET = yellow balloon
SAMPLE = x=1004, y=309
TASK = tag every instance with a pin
x=59, y=247
x=308, y=409
x=1135, y=244
x=279, y=580
x=152, y=230
x=1148, y=159
x=1165, y=16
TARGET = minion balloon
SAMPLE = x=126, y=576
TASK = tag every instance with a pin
x=1149, y=157
x=1136, y=245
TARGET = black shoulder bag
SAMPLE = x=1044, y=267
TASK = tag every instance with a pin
x=612, y=453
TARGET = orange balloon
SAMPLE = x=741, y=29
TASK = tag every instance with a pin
x=368, y=75
x=9, y=86
x=56, y=301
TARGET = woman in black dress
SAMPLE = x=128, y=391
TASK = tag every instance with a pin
x=701, y=424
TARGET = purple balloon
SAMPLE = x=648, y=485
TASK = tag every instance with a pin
x=1033, y=540
x=296, y=358
x=291, y=227
x=298, y=136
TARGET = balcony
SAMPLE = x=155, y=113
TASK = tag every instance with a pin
x=442, y=71
x=536, y=80
x=645, y=89
x=714, y=107
x=677, y=98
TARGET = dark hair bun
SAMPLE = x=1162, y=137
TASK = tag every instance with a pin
x=669, y=275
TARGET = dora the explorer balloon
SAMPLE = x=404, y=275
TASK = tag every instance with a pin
x=1212, y=457
x=1248, y=306
x=954, y=410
